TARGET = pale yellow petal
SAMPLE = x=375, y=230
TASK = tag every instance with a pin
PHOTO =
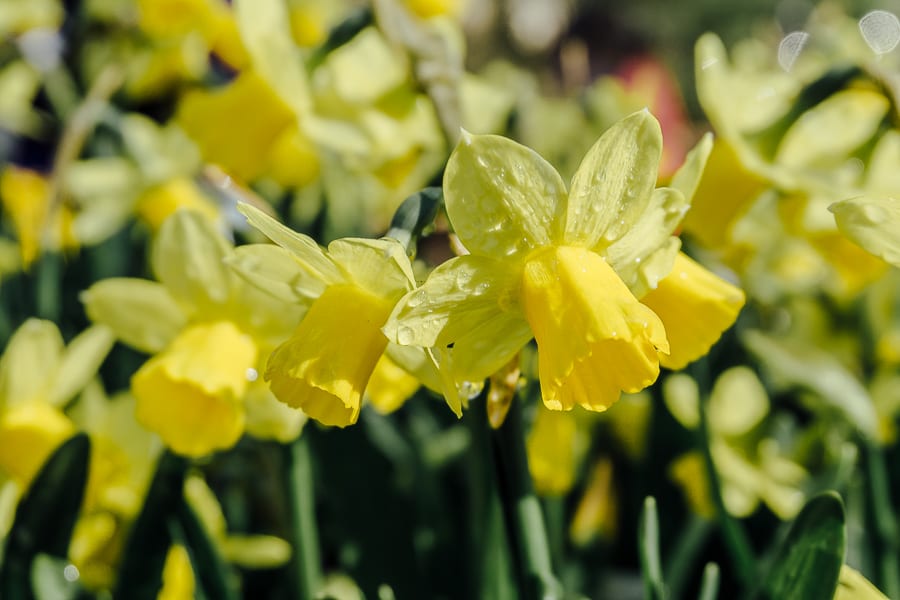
x=873, y=223
x=470, y=302
x=142, y=313
x=833, y=129
x=80, y=361
x=682, y=397
x=269, y=419
x=304, y=248
x=649, y=233
x=177, y=576
x=695, y=306
x=188, y=258
x=738, y=402
x=379, y=266
x=31, y=358
x=502, y=198
x=276, y=271
x=256, y=551
x=613, y=185
x=852, y=585
x=552, y=449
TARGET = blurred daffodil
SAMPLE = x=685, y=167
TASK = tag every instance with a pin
x=751, y=468
x=208, y=331
x=39, y=375
x=347, y=294
x=568, y=268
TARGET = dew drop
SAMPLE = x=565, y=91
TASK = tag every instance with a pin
x=881, y=30
x=405, y=335
x=252, y=374
x=790, y=48
x=71, y=573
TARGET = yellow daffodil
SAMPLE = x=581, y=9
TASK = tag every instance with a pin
x=793, y=138
x=208, y=330
x=750, y=469
x=567, y=268
x=25, y=195
x=349, y=292
x=38, y=376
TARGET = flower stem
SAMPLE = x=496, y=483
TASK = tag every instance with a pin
x=522, y=514
x=885, y=518
x=733, y=533
x=306, y=565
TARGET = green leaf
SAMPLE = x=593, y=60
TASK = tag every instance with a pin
x=342, y=33
x=415, y=214
x=648, y=540
x=808, y=563
x=709, y=586
x=213, y=573
x=140, y=570
x=791, y=364
x=49, y=579
x=45, y=516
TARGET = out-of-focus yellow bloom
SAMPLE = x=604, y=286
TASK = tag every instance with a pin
x=434, y=8
x=177, y=576
x=546, y=263
x=38, y=376
x=796, y=137
x=852, y=585
x=390, y=386
x=26, y=199
x=326, y=364
x=255, y=115
x=597, y=510
x=208, y=330
x=246, y=551
x=750, y=469
x=555, y=447
x=123, y=456
x=19, y=16
x=193, y=403
x=159, y=202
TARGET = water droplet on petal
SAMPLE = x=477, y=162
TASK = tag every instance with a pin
x=790, y=48
x=252, y=374
x=405, y=335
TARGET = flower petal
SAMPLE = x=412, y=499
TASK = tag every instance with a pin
x=29, y=362
x=470, y=302
x=379, y=266
x=651, y=231
x=187, y=258
x=872, y=223
x=303, y=247
x=502, y=198
x=141, y=313
x=390, y=386
x=80, y=361
x=833, y=129
x=324, y=367
x=29, y=433
x=594, y=338
x=696, y=306
x=737, y=403
x=276, y=271
x=687, y=177
x=613, y=184
x=191, y=394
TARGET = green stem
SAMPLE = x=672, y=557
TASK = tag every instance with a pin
x=888, y=561
x=306, y=565
x=691, y=541
x=522, y=511
x=733, y=533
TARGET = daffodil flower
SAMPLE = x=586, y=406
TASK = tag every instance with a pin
x=568, y=268
x=751, y=469
x=208, y=331
x=348, y=293
x=39, y=375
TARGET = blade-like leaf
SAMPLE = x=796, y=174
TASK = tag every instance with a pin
x=648, y=539
x=45, y=516
x=140, y=571
x=809, y=561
